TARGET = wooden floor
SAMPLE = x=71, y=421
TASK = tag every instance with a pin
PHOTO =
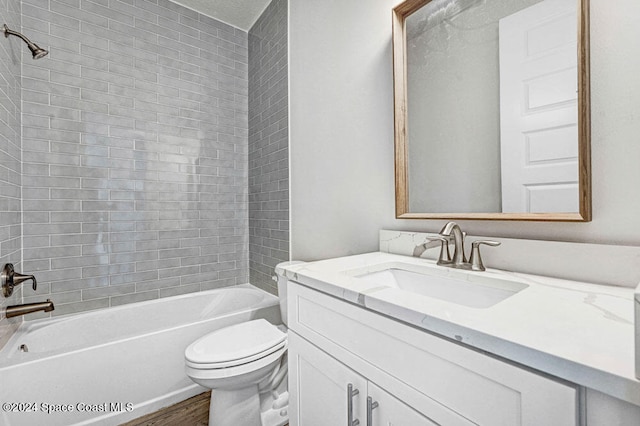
x=191, y=412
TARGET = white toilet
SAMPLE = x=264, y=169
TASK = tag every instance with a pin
x=246, y=367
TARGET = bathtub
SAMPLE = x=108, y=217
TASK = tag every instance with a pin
x=110, y=366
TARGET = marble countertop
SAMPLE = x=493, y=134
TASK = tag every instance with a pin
x=579, y=332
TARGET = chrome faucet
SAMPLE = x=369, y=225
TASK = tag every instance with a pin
x=459, y=260
x=28, y=308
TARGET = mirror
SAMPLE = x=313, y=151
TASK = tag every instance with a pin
x=492, y=117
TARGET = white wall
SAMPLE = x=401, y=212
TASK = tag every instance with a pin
x=341, y=125
x=341, y=138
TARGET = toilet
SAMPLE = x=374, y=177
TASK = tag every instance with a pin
x=245, y=365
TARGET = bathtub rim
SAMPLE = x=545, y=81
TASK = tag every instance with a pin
x=8, y=358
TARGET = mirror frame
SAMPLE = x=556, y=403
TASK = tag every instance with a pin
x=399, y=15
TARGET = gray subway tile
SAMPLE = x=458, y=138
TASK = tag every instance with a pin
x=135, y=297
x=125, y=135
x=72, y=308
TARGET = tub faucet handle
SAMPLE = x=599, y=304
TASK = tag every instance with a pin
x=10, y=278
x=18, y=278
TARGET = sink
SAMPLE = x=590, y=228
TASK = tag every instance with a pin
x=466, y=289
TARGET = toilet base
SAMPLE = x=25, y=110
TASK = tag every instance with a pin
x=246, y=407
x=235, y=407
x=276, y=410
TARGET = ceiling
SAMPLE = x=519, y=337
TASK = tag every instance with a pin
x=239, y=13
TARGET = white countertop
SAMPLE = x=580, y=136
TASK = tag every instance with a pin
x=579, y=332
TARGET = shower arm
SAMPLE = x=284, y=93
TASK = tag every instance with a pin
x=36, y=50
x=8, y=31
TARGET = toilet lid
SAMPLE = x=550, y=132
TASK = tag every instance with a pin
x=235, y=343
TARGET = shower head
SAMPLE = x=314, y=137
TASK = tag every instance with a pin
x=36, y=50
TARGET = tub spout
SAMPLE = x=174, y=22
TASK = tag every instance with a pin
x=28, y=308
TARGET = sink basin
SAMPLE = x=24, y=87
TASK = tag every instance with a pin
x=469, y=290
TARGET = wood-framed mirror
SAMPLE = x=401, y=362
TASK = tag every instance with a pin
x=491, y=106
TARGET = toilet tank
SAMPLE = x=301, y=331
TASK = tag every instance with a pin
x=282, y=287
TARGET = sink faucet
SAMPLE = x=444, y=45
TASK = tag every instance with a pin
x=459, y=260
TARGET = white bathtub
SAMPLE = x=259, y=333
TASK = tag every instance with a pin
x=110, y=366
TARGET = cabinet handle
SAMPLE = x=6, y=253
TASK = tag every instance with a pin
x=351, y=392
x=371, y=405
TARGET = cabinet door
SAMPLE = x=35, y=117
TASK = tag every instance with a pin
x=318, y=387
x=392, y=412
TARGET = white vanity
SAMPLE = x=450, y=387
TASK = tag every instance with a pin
x=369, y=346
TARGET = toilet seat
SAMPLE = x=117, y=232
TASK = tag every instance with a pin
x=200, y=371
x=236, y=345
x=236, y=362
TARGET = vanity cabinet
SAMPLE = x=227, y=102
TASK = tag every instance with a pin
x=329, y=393
x=415, y=378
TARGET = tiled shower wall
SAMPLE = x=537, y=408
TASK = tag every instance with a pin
x=10, y=156
x=268, y=145
x=134, y=152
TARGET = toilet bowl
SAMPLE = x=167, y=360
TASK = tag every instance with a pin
x=240, y=364
x=245, y=365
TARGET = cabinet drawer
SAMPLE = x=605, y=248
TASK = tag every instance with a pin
x=477, y=387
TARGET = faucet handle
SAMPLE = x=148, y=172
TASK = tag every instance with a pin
x=445, y=254
x=431, y=242
x=18, y=278
x=9, y=278
x=476, y=259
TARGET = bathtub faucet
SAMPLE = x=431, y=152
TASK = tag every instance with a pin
x=9, y=278
x=28, y=308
